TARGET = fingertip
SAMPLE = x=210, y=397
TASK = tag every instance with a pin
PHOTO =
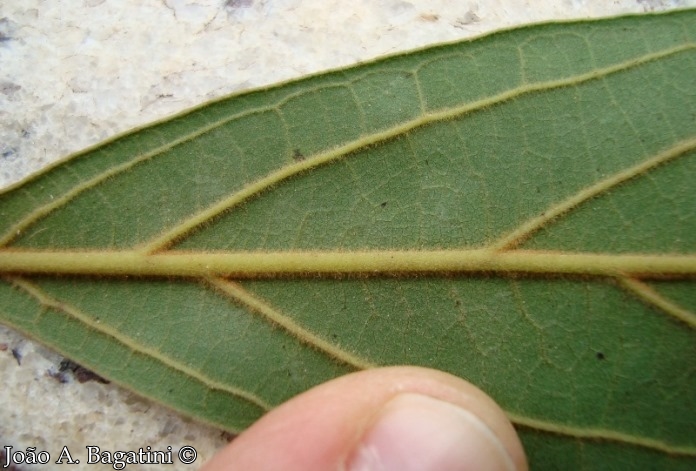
x=398, y=415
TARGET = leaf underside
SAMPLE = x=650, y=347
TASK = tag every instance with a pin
x=517, y=210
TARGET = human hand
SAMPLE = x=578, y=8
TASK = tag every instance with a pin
x=396, y=418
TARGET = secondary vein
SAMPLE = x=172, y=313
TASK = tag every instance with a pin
x=528, y=228
x=652, y=297
x=49, y=302
x=169, y=237
x=601, y=434
x=238, y=293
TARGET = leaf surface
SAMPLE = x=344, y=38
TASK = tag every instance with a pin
x=517, y=210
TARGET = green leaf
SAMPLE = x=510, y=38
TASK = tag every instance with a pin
x=517, y=210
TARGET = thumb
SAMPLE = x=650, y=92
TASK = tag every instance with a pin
x=397, y=418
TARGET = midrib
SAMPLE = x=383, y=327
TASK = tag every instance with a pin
x=376, y=263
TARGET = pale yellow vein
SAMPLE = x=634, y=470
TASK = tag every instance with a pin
x=653, y=298
x=239, y=294
x=179, y=231
x=601, y=435
x=528, y=228
x=42, y=211
x=378, y=262
x=51, y=303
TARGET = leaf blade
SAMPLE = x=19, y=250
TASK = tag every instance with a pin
x=416, y=165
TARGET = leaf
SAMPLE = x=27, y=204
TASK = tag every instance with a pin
x=517, y=210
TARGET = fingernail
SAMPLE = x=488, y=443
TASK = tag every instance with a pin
x=415, y=432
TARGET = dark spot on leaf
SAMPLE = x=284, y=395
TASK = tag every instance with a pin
x=297, y=155
x=600, y=356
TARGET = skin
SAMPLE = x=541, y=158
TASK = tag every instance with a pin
x=320, y=429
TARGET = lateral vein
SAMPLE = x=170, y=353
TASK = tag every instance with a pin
x=527, y=229
x=653, y=298
x=52, y=303
x=601, y=435
x=238, y=293
x=182, y=229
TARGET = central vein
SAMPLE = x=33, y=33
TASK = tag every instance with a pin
x=385, y=262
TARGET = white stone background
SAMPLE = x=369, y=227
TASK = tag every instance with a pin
x=75, y=72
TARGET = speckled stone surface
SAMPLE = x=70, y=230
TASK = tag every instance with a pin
x=75, y=72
